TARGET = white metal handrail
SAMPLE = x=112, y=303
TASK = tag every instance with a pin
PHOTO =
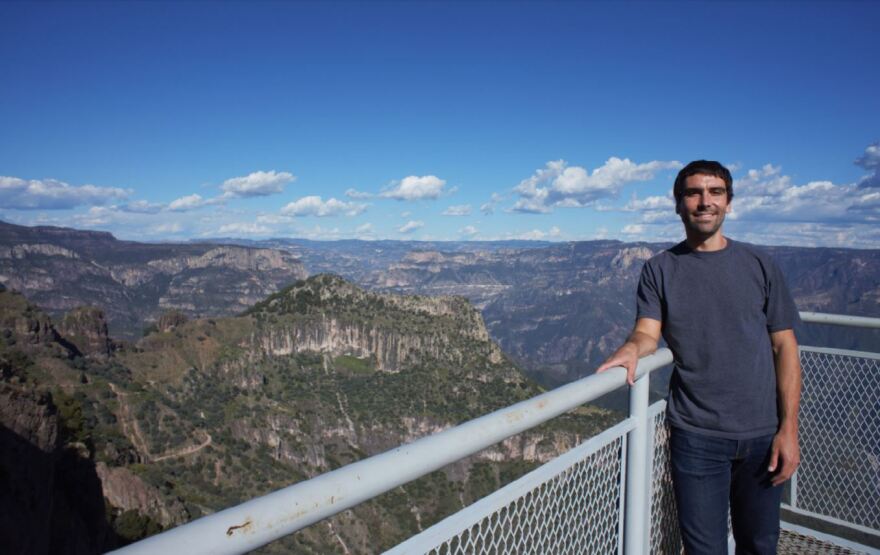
x=262, y=520
x=840, y=320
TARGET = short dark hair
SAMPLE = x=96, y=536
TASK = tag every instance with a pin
x=702, y=167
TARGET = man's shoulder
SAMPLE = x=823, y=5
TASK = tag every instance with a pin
x=749, y=250
x=665, y=256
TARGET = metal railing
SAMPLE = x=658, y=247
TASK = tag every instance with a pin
x=610, y=494
x=838, y=480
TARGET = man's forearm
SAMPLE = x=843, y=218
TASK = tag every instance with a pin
x=644, y=343
x=788, y=383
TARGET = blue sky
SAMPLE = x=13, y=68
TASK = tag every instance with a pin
x=441, y=120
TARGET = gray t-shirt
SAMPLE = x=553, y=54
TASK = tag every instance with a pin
x=718, y=309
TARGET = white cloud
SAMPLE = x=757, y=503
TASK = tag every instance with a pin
x=51, y=194
x=169, y=228
x=870, y=161
x=142, y=207
x=364, y=228
x=488, y=208
x=244, y=228
x=314, y=206
x=458, y=210
x=770, y=208
x=653, y=209
x=189, y=202
x=633, y=229
x=274, y=219
x=416, y=188
x=410, y=226
x=537, y=234
x=468, y=231
x=558, y=184
x=405, y=214
x=257, y=184
x=355, y=194
x=768, y=195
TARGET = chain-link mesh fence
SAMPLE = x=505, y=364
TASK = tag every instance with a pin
x=839, y=475
x=576, y=511
x=665, y=535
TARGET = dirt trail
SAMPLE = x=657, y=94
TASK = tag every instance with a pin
x=132, y=430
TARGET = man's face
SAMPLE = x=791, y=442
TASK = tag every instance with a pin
x=703, y=205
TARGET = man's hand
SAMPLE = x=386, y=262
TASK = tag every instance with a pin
x=628, y=357
x=642, y=341
x=784, y=456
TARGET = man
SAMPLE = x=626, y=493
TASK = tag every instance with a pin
x=725, y=312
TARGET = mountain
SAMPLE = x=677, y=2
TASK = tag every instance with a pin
x=61, y=268
x=205, y=413
x=558, y=309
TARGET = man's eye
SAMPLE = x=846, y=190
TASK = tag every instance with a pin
x=717, y=192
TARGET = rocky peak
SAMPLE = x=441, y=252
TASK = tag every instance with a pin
x=629, y=256
x=327, y=314
x=26, y=324
x=170, y=319
x=86, y=328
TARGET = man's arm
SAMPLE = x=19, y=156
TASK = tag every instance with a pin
x=642, y=341
x=785, y=453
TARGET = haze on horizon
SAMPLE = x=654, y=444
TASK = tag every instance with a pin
x=438, y=121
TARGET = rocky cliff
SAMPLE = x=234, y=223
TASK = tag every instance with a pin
x=206, y=413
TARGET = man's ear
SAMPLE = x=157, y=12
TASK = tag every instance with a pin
x=728, y=208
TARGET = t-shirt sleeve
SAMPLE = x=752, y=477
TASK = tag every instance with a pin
x=648, y=303
x=782, y=314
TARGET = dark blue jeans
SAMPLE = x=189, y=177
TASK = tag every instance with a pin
x=708, y=473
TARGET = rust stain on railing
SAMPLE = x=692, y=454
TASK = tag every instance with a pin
x=246, y=527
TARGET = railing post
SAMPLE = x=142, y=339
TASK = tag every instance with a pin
x=635, y=541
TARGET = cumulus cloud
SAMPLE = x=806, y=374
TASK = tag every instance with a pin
x=51, y=194
x=653, y=209
x=633, y=229
x=142, y=207
x=244, y=228
x=427, y=187
x=189, y=202
x=561, y=185
x=488, y=208
x=257, y=184
x=870, y=161
x=538, y=235
x=410, y=226
x=468, y=231
x=167, y=228
x=355, y=194
x=314, y=206
x=767, y=194
x=458, y=210
x=771, y=208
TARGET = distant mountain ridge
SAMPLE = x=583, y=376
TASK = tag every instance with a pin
x=60, y=269
x=557, y=308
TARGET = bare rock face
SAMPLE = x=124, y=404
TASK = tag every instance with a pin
x=170, y=319
x=128, y=492
x=28, y=439
x=86, y=328
x=629, y=256
x=50, y=497
x=333, y=316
